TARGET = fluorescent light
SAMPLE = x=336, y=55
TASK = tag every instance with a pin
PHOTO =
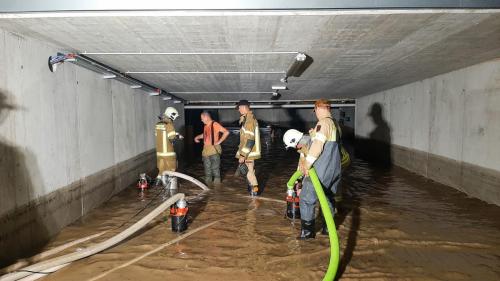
x=177, y=101
x=109, y=76
x=136, y=86
x=279, y=87
x=167, y=98
x=156, y=92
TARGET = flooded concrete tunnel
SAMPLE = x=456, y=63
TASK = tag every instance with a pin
x=157, y=140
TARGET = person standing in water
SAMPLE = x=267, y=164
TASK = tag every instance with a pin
x=322, y=152
x=212, y=149
x=166, y=158
x=249, y=147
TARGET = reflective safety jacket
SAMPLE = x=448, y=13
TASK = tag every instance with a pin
x=323, y=153
x=345, y=157
x=249, y=137
x=165, y=133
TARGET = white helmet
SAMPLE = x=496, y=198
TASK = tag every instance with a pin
x=171, y=113
x=292, y=137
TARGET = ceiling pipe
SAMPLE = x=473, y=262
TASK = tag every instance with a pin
x=93, y=65
x=205, y=72
x=187, y=53
x=221, y=92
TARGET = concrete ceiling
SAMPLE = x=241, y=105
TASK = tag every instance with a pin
x=355, y=53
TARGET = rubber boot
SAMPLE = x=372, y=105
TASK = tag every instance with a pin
x=307, y=230
x=208, y=180
x=254, y=190
x=217, y=181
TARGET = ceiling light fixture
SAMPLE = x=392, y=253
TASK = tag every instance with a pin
x=108, y=76
x=279, y=87
x=300, y=63
x=157, y=92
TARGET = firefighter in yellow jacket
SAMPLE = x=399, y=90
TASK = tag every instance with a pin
x=321, y=150
x=249, y=148
x=165, y=134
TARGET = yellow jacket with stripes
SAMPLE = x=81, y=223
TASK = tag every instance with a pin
x=249, y=138
x=165, y=133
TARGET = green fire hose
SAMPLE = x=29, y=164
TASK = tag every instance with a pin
x=332, y=231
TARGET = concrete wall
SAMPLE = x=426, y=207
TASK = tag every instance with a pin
x=68, y=141
x=446, y=128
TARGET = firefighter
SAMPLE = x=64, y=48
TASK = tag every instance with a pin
x=165, y=134
x=319, y=150
x=249, y=147
x=212, y=149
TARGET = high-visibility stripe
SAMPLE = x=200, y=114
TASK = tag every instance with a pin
x=245, y=150
x=320, y=137
x=165, y=154
x=165, y=147
x=253, y=154
x=171, y=134
x=302, y=154
x=247, y=132
x=310, y=159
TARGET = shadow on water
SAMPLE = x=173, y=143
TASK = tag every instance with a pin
x=350, y=206
x=24, y=228
x=377, y=148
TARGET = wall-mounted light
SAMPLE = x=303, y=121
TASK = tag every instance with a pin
x=177, y=101
x=166, y=98
x=135, y=86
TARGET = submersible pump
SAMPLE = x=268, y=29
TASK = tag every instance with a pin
x=179, y=212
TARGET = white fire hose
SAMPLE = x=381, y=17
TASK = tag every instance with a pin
x=53, y=264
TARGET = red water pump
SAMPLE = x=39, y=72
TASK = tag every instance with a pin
x=178, y=213
x=293, y=201
x=143, y=182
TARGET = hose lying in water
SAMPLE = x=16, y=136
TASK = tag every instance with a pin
x=48, y=253
x=157, y=249
x=332, y=231
x=54, y=263
x=36, y=276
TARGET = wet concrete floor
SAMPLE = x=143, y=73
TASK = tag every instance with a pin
x=392, y=225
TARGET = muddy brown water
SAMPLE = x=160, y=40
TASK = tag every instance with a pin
x=392, y=225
